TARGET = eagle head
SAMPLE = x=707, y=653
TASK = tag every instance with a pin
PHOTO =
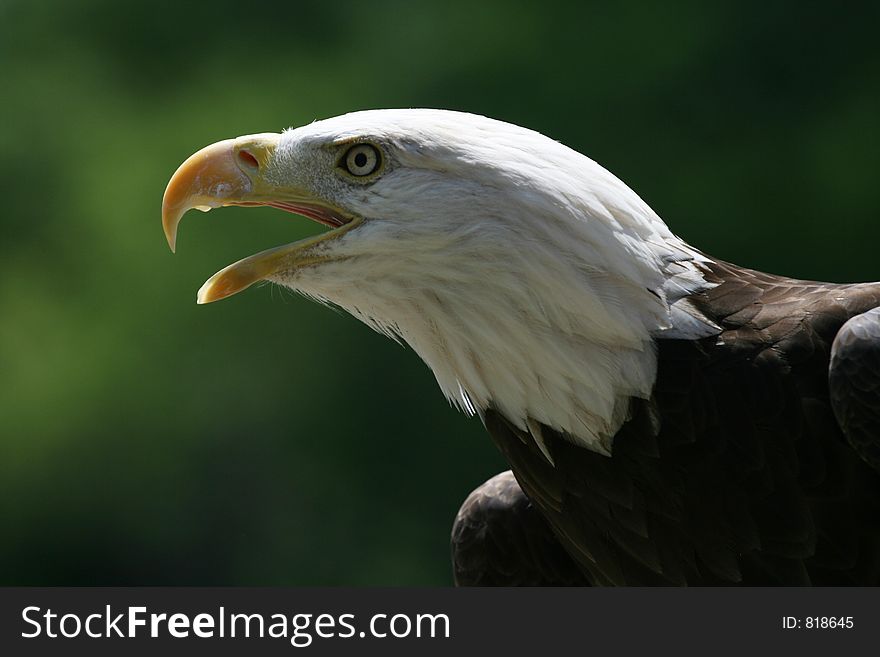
x=527, y=277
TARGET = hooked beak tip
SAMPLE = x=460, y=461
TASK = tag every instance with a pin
x=169, y=225
x=208, y=178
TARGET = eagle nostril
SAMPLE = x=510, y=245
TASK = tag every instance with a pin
x=248, y=160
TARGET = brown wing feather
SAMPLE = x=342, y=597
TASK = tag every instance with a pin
x=499, y=538
x=854, y=384
x=749, y=480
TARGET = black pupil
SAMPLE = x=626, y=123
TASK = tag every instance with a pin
x=360, y=160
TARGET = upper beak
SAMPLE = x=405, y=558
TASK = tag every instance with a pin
x=225, y=173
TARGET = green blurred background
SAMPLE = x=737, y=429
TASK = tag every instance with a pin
x=265, y=439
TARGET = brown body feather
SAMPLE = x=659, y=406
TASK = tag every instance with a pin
x=749, y=479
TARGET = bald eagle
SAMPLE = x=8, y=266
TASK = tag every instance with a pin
x=668, y=418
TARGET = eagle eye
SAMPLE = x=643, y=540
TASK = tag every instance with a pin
x=361, y=160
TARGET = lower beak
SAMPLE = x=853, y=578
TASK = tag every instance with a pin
x=260, y=266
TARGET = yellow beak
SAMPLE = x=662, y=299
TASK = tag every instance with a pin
x=230, y=172
x=219, y=174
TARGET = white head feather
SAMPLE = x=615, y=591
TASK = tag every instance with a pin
x=526, y=276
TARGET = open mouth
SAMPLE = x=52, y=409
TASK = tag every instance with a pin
x=317, y=213
x=231, y=173
x=280, y=259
